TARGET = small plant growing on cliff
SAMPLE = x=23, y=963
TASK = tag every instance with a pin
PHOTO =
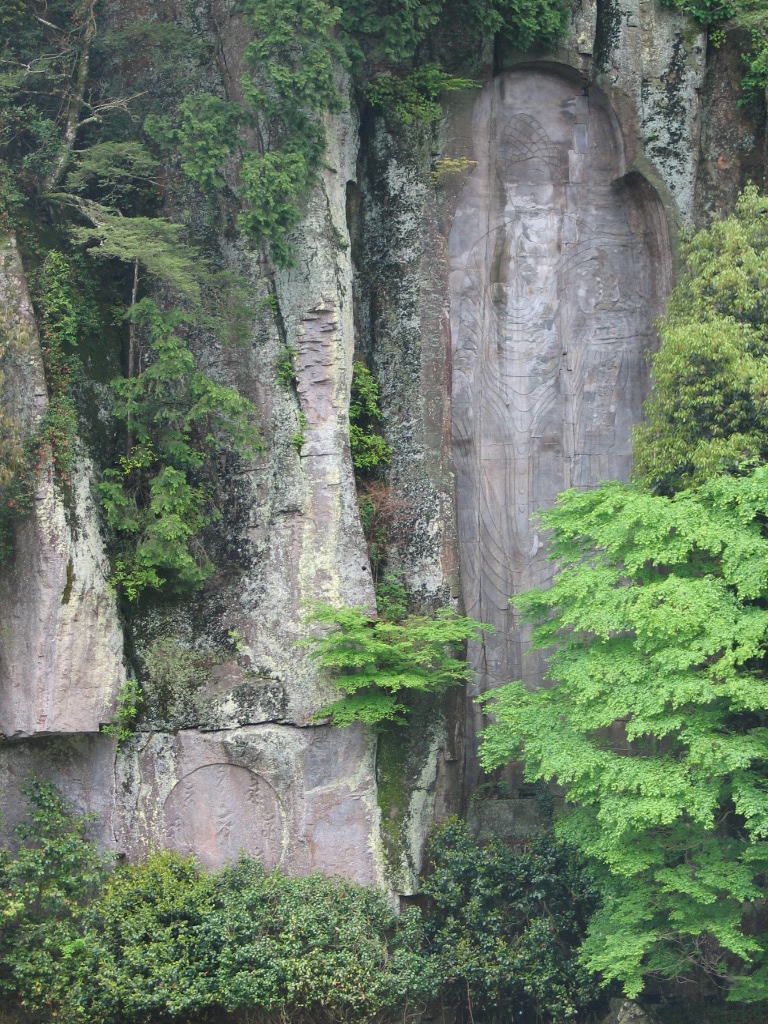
x=369, y=449
x=376, y=663
x=299, y=439
x=64, y=314
x=285, y=367
x=415, y=98
x=129, y=702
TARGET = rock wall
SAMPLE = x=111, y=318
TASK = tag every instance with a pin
x=500, y=276
x=61, y=643
x=559, y=264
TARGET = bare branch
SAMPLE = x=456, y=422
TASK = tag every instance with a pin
x=51, y=25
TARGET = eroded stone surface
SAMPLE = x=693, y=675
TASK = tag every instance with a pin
x=61, y=644
x=304, y=799
x=557, y=273
x=651, y=59
x=82, y=768
x=733, y=140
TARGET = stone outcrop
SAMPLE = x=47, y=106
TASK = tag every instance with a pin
x=503, y=293
x=559, y=264
x=61, y=642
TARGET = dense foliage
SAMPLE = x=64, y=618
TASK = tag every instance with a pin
x=45, y=893
x=85, y=940
x=82, y=940
x=656, y=730
x=179, y=419
x=92, y=159
x=375, y=663
x=506, y=924
x=708, y=412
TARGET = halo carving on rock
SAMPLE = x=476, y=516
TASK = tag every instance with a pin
x=219, y=810
x=559, y=265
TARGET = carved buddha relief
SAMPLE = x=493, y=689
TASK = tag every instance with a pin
x=558, y=269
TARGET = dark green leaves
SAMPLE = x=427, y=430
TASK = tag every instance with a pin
x=179, y=419
x=506, y=925
x=165, y=940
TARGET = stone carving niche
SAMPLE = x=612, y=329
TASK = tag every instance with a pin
x=559, y=264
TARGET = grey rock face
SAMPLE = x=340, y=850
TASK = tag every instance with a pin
x=301, y=799
x=81, y=765
x=504, y=303
x=555, y=283
x=61, y=644
x=650, y=59
x=227, y=757
x=624, y=1011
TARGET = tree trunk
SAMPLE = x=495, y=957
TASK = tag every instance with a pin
x=75, y=104
x=132, y=349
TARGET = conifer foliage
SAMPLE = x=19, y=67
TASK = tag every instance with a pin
x=657, y=725
x=376, y=663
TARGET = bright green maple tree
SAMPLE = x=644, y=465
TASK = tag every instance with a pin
x=654, y=722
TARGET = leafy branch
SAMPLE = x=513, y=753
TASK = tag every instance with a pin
x=375, y=663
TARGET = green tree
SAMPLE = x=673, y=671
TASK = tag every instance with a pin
x=179, y=419
x=654, y=722
x=45, y=890
x=376, y=663
x=505, y=925
x=708, y=411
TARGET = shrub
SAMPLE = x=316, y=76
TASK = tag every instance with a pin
x=369, y=449
x=505, y=926
x=164, y=939
x=45, y=891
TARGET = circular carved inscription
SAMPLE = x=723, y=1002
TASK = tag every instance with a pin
x=219, y=810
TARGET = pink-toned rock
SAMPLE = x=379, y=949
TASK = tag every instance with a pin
x=559, y=265
x=61, y=643
x=300, y=799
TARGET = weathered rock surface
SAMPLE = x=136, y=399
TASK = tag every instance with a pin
x=303, y=799
x=61, y=643
x=559, y=265
x=504, y=300
x=624, y=1011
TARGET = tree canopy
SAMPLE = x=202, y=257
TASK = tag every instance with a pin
x=708, y=412
x=656, y=729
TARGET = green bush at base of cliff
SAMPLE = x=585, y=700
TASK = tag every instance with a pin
x=83, y=941
x=506, y=926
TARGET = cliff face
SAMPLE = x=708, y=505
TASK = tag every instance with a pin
x=500, y=276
